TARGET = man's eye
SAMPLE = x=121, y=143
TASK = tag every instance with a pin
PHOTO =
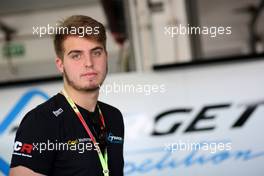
x=76, y=56
x=97, y=53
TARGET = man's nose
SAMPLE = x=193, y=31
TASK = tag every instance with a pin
x=88, y=61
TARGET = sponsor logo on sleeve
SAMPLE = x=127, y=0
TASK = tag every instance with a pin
x=22, y=149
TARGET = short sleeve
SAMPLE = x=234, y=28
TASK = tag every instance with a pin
x=34, y=143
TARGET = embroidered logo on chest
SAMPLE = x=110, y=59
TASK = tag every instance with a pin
x=57, y=112
x=114, y=139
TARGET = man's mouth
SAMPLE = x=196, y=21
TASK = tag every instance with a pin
x=89, y=74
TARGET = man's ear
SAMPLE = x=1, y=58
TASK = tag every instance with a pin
x=59, y=64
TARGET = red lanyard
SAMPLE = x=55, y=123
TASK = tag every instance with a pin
x=103, y=159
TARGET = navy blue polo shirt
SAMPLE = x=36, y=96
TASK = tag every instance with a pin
x=52, y=141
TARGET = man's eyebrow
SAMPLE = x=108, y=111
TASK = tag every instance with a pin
x=74, y=51
x=97, y=48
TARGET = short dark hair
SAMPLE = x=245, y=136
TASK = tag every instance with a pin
x=79, y=21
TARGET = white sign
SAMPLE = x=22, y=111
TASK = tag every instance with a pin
x=201, y=121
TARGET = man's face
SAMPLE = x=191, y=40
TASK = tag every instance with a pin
x=84, y=65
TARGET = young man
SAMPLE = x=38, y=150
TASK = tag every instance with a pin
x=73, y=133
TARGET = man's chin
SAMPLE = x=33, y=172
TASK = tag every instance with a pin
x=90, y=88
